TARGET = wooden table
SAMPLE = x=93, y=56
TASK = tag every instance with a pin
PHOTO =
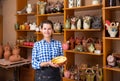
x=7, y=65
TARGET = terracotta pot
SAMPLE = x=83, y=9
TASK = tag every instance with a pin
x=14, y=58
x=65, y=46
x=1, y=51
x=7, y=54
x=16, y=50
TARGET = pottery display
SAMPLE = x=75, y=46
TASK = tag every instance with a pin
x=70, y=3
x=59, y=6
x=112, y=28
x=42, y=5
x=111, y=2
x=65, y=45
x=73, y=22
x=79, y=24
x=97, y=22
x=86, y=22
x=57, y=27
x=79, y=3
x=29, y=8
x=67, y=24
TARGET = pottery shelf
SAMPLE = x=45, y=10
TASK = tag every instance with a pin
x=112, y=69
x=39, y=33
x=25, y=14
x=88, y=7
x=83, y=30
x=25, y=30
x=85, y=53
x=112, y=38
x=112, y=8
x=51, y=14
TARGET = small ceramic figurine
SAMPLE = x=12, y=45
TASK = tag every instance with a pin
x=29, y=8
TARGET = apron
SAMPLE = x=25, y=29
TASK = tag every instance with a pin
x=48, y=74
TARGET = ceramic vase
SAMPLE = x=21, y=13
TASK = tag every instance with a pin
x=86, y=22
x=79, y=3
x=67, y=24
x=71, y=3
x=29, y=8
x=79, y=23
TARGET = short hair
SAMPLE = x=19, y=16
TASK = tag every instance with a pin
x=46, y=22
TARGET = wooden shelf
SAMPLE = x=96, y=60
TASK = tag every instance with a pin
x=53, y=33
x=51, y=14
x=86, y=53
x=113, y=68
x=112, y=8
x=67, y=79
x=25, y=14
x=83, y=30
x=112, y=38
x=25, y=30
x=22, y=46
x=89, y=7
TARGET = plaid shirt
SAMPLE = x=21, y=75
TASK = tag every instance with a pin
x=44, y=51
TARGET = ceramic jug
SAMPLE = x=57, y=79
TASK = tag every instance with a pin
x=79, y=23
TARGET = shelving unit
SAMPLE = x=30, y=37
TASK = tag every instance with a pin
x=73, y=55
x=1, y=29
x=111, y=44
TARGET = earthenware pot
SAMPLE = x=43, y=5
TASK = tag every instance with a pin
x=14, y=58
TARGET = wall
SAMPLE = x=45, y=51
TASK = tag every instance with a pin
x=9, y=18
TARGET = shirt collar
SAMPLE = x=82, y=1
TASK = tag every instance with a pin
x=44, y=41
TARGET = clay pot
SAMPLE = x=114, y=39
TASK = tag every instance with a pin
x=1, y=51
x=7, y=51
x=67, y=74
x=65, y=45
x=16, y=50
x=14, y=58
x=7, y=54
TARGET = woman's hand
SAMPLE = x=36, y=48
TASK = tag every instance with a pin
x=52, y=64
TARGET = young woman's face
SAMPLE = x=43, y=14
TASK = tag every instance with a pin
x=47, y=30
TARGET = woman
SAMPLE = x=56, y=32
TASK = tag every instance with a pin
x=43, y=52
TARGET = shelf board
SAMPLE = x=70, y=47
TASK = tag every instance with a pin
x=53, y=33
x=22, y=46
x=51, y=14
x=86, y=53
x=83, y=30
x=67, y=79
x=112, y=38
x=25, y=14
x=89, y=7
x=112, y=8
x=113, y=68
x=25, y=30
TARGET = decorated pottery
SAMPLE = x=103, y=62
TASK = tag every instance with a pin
x=57, y=27
x=67, y=24
x=95, y=2
x=79, y=24
x=86, y=22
